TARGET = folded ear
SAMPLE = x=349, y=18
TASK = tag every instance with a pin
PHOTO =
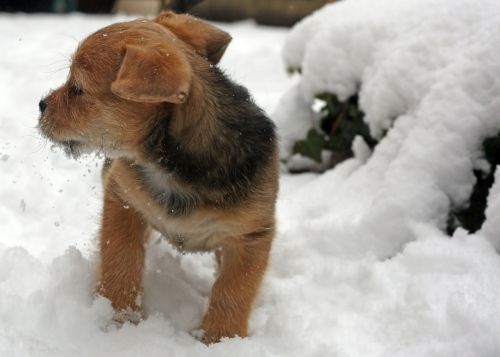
x=207, y=40
x=153, y=75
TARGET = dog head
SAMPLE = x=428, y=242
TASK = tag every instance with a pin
x=123, y=77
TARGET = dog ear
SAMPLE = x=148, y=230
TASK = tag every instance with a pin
x=153, y=75
x=207, y=40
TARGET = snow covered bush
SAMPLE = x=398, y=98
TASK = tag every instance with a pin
x=338, y=125
x=424, y=72
x=387, y=53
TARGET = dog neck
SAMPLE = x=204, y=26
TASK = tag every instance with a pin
x=216, y=140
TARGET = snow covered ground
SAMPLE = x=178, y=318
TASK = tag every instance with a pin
x=360, y=266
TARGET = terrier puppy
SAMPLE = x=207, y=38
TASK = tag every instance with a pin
x=188, y=153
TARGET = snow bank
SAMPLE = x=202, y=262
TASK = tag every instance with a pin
x=330, y=291
x=426, y=74
x=437, y=297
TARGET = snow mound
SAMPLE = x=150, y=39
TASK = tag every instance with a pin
x=425, y=71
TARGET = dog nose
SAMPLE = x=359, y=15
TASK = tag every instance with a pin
x=42, y=105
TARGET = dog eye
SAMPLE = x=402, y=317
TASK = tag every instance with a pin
x=76, y=89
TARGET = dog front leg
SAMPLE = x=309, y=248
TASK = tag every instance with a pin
x=122, y=241
x=242, y=267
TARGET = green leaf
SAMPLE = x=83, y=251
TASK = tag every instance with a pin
x=339, y=123
x=311, y=146
x=292, y=70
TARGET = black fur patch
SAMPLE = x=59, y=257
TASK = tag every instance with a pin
x=175, y=203
x=245, y=142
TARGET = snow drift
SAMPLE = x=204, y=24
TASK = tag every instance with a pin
x=426, y=74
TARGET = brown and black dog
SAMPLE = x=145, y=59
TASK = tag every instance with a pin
x=188, y=153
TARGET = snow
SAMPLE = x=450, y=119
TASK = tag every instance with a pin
x=425, y=72
x=360, y=265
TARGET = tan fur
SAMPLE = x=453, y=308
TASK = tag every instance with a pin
x=152, y=65
x=207, y=40
x=240, y=237
x=126, y=84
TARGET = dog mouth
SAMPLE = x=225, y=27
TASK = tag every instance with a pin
x=76, y=148
x=73, y=148
x=71, y=145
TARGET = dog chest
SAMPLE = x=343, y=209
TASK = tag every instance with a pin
x=169, y=210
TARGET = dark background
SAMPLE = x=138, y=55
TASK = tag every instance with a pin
x=268, y=12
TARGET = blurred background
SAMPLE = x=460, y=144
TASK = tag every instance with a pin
x=267, y=12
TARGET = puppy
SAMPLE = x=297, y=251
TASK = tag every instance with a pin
x=188, y=153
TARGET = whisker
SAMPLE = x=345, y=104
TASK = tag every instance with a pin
x=57, y=70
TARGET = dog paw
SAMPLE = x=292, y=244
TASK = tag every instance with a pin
x=209, y=335
x=127, y=315
x=197, y=333
x=206, y=338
